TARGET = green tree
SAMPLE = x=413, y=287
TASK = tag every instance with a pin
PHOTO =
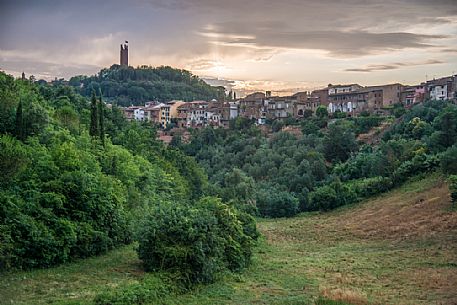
x=339, y=142
x=36, y=118
x=398, y=110
x=239, y=186
x=277, y=125
x=446, y=124
x=309, y=127
x=13, y=158
x=19, y=125
x=101, y=117
x=322, y=112
x=68, y=117
x=272, y=202
x=93, y=129
x=449, y=161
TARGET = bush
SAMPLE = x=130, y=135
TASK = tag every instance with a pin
x=324, y=198
x=453, y=188
x=56, y=210
x=449, y=161
x=6, y=247
x=195, y=242
x=363, y=124
x=420, y=163
x=322, y=112
x=277, y=125
x=371, y=186
x=310, y=127
x=398, y=110
x=331, y=196
x=274, y=203
x=339, y=114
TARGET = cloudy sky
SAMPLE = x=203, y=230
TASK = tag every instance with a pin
x=284, y=46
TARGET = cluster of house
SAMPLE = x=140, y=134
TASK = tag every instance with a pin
x=184, y=114
x=351, y=99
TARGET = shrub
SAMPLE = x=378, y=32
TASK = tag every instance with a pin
x=364, y=123
x=339, y=114
x=331, y=196
x=323, y=198
x=453, y=188
x=371, y=186
x=277, y=125
x=195, y=242
x=6, y=247
x=420, y=163
x=449, y=161
x=322, y=112
x=310, y=127
x=398, y=110
x=274, y=203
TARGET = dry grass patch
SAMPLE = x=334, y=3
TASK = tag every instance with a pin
x=344, y=295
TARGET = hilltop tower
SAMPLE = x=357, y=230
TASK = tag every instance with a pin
x=125, y=54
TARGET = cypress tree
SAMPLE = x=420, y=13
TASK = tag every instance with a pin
x=19, y=125
x=101, y=118
x=93, y=130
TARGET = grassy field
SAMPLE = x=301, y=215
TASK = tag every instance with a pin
x=398, y=248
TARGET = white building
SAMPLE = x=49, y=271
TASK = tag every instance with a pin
x=233, y=112
x=138, y=114
x=134, y=113
x=338, y=89
x=197, y=115
x=438, y=92
x=343, y=107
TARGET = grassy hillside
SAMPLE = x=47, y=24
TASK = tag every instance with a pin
x=398, y=248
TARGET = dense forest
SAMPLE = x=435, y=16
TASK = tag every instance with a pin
x=79, y=180
x=281, y=174
x=127, y=86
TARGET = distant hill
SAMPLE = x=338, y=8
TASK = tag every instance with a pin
x=129, y=85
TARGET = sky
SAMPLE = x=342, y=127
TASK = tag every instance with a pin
x=248, y=45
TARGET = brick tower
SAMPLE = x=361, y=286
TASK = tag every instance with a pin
x=125, y=54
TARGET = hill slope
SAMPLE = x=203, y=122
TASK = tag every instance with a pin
x=129, y=85
x=398, y=248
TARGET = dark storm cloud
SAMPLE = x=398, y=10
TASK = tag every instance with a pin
x=337, y=43
x=393, y=66
x=342, y=28
x=449, y=50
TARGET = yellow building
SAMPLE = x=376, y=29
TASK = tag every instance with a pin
x=174, y=108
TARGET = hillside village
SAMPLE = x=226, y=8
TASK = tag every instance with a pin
x=351, y=99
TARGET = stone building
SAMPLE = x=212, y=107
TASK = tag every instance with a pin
x=444, y=88
x=124, y=54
